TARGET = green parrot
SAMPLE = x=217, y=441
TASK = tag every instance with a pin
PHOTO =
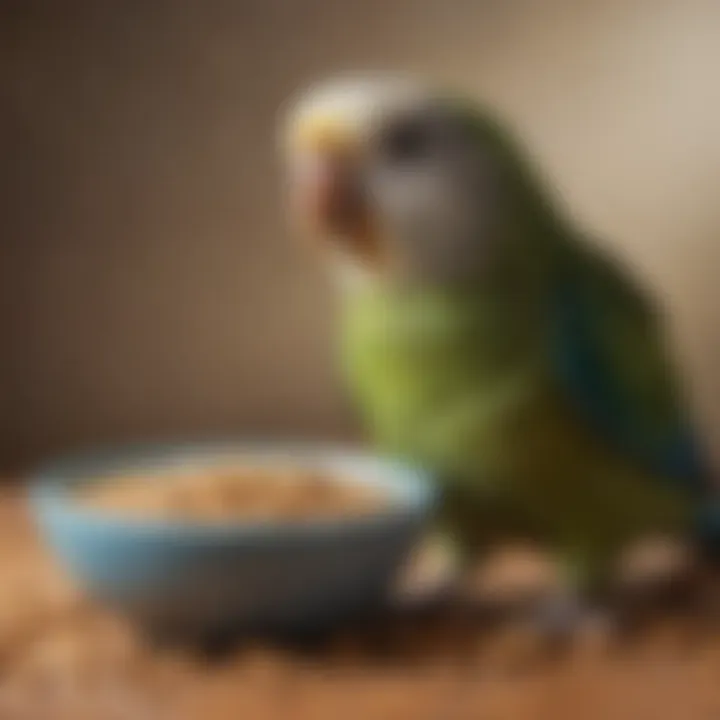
x=483, y=334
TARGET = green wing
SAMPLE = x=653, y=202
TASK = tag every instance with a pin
x=611, y=356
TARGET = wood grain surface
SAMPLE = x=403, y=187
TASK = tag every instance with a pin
x=61, y=658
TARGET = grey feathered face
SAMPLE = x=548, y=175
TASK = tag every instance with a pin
x=392, y=176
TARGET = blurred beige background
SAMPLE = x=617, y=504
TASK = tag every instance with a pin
x=148, y=286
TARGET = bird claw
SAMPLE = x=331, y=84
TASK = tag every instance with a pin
x=560, y=615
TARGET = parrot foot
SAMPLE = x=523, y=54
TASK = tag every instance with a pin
x=656, y=579
x=521, y=587
x=558, y=617
x=510, y=580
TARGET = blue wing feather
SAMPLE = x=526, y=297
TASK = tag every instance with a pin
x=599, y=394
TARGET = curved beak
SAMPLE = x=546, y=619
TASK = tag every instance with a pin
x=325, y=192
x=326, y=189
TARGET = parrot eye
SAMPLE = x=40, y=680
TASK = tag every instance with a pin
x=405, y=142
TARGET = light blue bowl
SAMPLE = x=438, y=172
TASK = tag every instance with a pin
x=197, y=579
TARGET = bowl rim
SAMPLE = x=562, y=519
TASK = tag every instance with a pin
x=51, y=500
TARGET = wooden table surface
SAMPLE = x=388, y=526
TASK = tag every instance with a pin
x=63, y=659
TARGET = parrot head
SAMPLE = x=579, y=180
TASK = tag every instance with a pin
x=393, y=178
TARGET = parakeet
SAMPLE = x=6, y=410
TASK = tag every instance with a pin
x=483, y=333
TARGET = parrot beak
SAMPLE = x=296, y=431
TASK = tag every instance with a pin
x=326, y=194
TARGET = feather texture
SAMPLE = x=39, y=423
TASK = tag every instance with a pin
x=611, y=358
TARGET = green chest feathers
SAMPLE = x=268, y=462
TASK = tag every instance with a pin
x=424, y=368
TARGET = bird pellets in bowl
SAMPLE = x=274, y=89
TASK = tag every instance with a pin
x=207, y=539
x=234, y=492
